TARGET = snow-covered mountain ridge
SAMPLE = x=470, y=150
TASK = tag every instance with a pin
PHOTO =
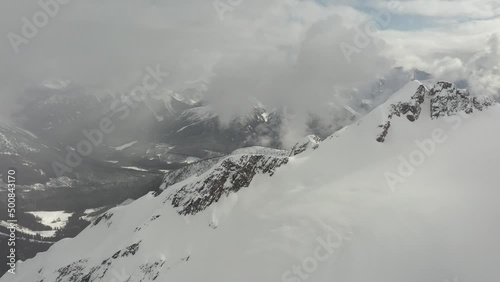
x=211, y=179
x=444, y=99
x=229, y=176
x=325, y=215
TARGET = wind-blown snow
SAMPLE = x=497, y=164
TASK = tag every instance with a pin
x=187, y=126
x=190, y=160
x=258, y=150
x=439, y=223
x=134, y=168
x=125, y=146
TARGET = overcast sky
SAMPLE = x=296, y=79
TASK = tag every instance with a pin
x=285, y=52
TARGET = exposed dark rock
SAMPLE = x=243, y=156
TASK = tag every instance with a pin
x=310, y=142
x=71, y=272
x=232, y=174
x=445, y=100
x=152, y=270
x=104, y=217
x=183, y=173
x=383, y=135
x=131, y=250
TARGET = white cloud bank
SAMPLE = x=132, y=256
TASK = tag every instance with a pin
x=282, y=53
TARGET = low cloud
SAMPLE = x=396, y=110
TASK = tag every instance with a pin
x=302, y=78
x=283, y=54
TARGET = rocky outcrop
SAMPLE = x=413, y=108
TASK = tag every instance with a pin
x=411, y=109
x=310, y=142
x=209, y=180
x=83, y=271
x=229, y=176
x=444, y=99
x=385, y=130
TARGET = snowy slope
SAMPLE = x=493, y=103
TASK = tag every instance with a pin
x=419, y=206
